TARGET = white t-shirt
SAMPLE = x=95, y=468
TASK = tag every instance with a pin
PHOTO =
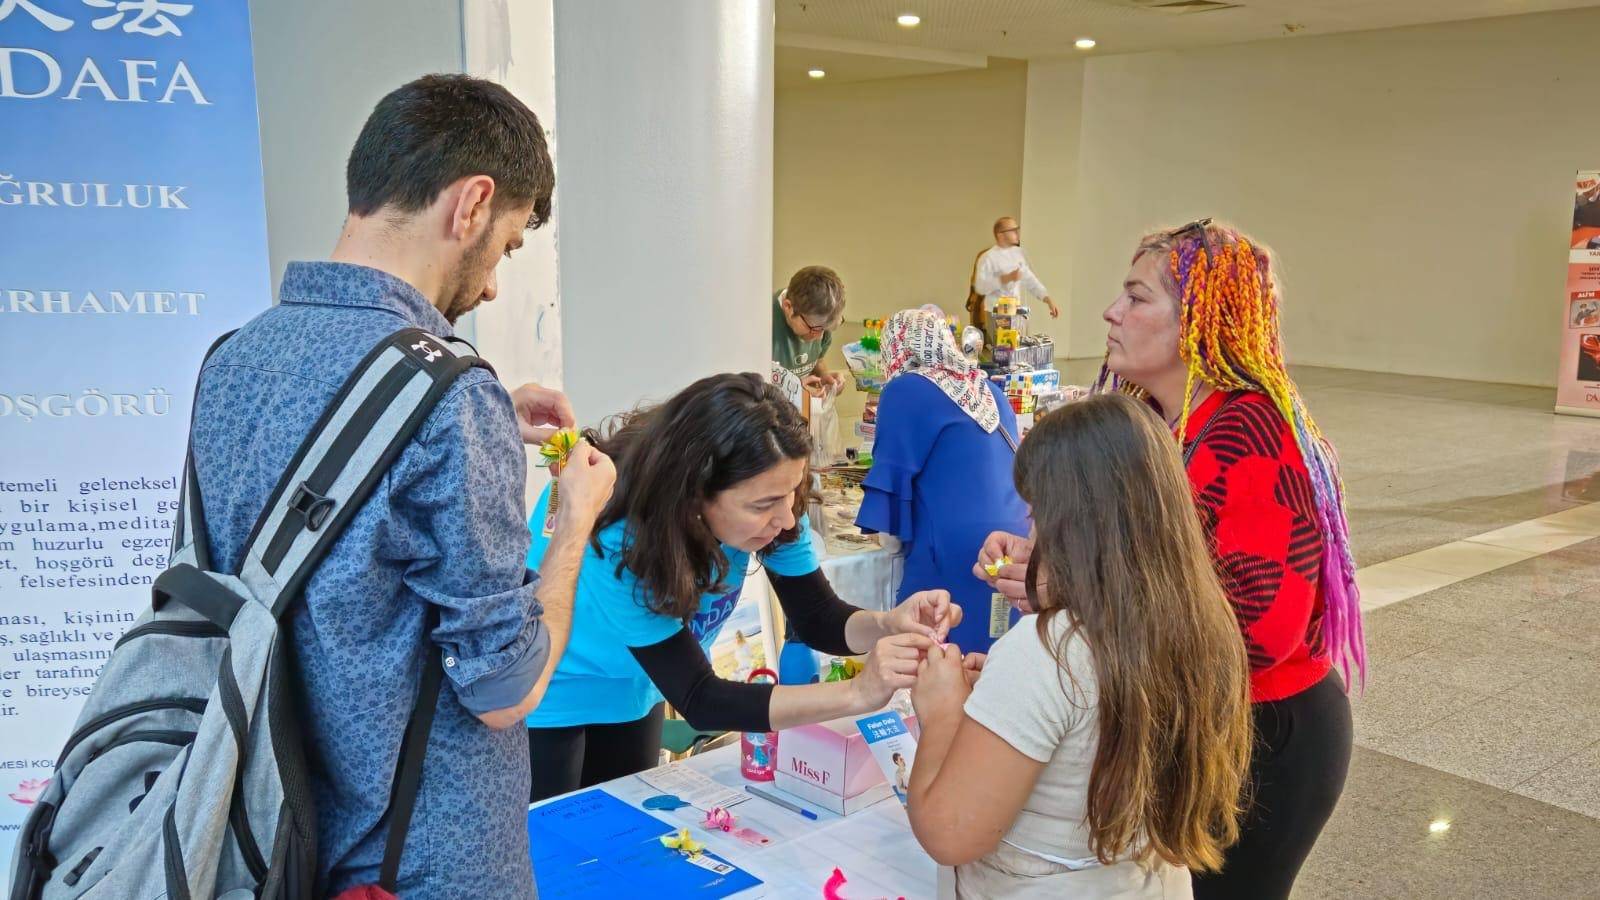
x=1049, y=715
x=997, y=261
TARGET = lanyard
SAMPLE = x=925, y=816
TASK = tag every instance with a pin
x=1188, y=452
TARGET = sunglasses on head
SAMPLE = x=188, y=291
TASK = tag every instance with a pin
x=1199, y=227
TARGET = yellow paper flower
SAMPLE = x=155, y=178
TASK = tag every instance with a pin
x=554, y=452
x=682, y=843
x=994, y=568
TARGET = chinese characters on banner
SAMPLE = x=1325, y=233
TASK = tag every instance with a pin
x=133, y=231
x=1578, y=382
x=149, y=17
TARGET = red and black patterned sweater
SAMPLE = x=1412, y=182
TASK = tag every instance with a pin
x=1255, y=501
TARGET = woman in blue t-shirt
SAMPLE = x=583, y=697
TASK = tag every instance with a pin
x=941, y=470
x=715, y=475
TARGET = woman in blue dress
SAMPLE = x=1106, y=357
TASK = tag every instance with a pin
x=941, y=470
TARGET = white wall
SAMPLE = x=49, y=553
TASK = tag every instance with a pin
x=320, y=68
x=664, y=174
x=520, y=332
x=1050, y=173
x=1416, y=183
x=314, y=100
x=896, y=184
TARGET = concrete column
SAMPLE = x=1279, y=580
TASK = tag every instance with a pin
x=664, y=184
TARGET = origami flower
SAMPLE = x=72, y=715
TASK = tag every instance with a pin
x=682, y=842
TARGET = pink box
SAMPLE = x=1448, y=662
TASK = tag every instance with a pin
x=829, y=765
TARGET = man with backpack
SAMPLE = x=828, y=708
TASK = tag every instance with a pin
x=349, y=569
x=445, y=177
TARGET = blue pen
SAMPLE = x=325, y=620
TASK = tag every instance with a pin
x=772, y=798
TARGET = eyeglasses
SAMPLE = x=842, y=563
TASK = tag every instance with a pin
x=1199, y=227
x=815, y=326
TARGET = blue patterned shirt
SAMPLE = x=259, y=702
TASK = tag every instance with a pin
x=444, y=529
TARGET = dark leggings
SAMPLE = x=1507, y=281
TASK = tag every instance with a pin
x=579, y=756
x=1297, y=771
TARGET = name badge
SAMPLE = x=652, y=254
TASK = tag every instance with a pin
x=999, y=615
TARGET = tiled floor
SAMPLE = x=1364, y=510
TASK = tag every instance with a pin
x=1482, y=707
x=1499, y=846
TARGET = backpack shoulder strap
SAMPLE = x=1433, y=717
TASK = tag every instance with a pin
x=360, y=434
x=464, y=347
x=189, y=542
x=408, y=770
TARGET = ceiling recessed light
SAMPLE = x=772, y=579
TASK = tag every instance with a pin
x=909, y=21
x=816, y=73
x=1084, y=43
x=1439, y=826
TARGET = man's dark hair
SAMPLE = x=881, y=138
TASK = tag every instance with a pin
x=441, y=128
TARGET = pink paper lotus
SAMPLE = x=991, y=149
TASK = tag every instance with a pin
x=27, y=792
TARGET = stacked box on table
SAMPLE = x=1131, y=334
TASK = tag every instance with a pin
x=830, y=766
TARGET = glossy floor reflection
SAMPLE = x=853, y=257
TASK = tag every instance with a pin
x=1477, y=762
x=1409, y=832
x=1477, y=767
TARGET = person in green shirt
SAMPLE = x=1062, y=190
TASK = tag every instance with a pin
x=804, y=316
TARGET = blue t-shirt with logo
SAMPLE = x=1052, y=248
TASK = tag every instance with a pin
x=598, y=681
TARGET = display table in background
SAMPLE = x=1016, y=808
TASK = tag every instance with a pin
x=874, y=848
x=865, y=577
x=860, y=569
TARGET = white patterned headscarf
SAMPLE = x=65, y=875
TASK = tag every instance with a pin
x=919, y=342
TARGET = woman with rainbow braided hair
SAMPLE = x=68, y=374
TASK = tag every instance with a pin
x=1194, y=332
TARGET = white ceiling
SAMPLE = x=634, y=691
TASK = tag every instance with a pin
x=846, y=66
x=1043, y=29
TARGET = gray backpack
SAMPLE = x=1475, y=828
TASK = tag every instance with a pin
x=185, y=776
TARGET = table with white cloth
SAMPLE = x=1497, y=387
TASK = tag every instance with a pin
x=874, y=847
x=861, y=569
x=865, y=577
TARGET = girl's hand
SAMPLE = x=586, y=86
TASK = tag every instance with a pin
x=941, y=686
x=972, y=666
x=890, y=666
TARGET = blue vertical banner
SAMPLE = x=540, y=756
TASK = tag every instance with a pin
x=132, y=234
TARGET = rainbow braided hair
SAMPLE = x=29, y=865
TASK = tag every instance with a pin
x=1229, y=337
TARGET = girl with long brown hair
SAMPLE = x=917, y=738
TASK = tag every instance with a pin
x=1100, y=748
x=1194, y=334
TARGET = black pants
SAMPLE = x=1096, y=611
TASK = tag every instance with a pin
x=579, y=756
x=1302, y=753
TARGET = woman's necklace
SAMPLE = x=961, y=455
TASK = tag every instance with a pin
x=1200, y=395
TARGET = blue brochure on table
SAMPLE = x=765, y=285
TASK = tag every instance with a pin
x=594, y=845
